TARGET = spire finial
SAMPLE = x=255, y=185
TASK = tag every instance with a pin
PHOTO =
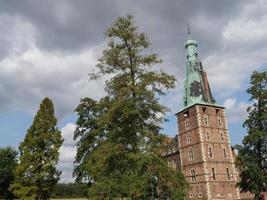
x=189, y=31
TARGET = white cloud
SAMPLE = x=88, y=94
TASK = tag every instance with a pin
x=27, y=78
x=67, y=153
x=236, y=111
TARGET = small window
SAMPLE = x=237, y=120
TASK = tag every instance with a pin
x=219, y=121
x=210, y=152
x=199, y=195
x=224, y=153
x=190, y=154
x=217, y=111
x=191, y=195
x=228, y=174
x=213, y=176
x=206, y=120
x=187, y=124
x=222, y=135
x=193, y=175
x=208, y=135
x=188, y=138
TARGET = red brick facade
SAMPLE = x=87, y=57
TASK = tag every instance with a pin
x=205, y=153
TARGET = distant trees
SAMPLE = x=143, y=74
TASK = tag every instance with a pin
x=252, y=154
x=69, y=190
x=36, y=173
x=118, y=138
x=8, y=162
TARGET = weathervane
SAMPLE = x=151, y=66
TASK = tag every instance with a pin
x=189, y=31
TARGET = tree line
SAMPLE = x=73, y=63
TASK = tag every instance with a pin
x=118, y=138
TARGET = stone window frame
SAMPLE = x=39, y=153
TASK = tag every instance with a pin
x=225, y=154
x=206, y=120
x=190, y=154
x=187, y=124
x=188, y=138
x=219, y=121
x=207, y=134
x=213, y=174
x=222, y=135
x=210, y=151
x=228, y=174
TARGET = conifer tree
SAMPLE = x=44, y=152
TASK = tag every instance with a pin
x=252, y=154
x=36, y=173
x=8, y=163
x=118, y=138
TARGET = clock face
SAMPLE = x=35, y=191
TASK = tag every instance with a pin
x=195, y=89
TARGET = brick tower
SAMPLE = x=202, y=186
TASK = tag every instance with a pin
x=206, y=157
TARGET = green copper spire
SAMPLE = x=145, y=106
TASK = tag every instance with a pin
x=196, y=85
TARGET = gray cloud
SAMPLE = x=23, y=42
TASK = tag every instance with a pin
x=47, y=48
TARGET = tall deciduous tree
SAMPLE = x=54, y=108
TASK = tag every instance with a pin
x=118, y=138
x=252, y=155
x=36, y=173
x=8, y=162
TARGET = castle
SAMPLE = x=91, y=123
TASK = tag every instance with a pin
x=204, y=153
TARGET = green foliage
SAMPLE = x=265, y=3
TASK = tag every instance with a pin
x=69, y=190
x=118, y=137
x=252, y=155
x=36, y=173
x=8, y=162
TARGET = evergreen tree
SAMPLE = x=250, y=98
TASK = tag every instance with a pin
x=8, y=162
x=118, y=137
x=252, y=154
x=36, y=173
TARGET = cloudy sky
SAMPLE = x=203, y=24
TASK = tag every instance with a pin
x=47, y=48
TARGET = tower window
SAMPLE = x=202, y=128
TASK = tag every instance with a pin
x=206, y=120
x=228, y=173
x=187, y=124
x=210, y=152
x=208, y=135
x=224, y=153
x=190, y=155
x=193, y=175
x=188, y=138
x=213, y=176
x=222, y=136
x=219, y=121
